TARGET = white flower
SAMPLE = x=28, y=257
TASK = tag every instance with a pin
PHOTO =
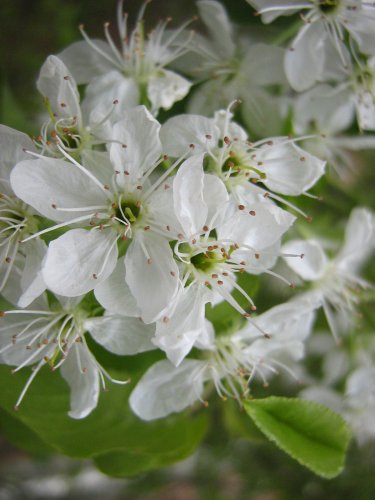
x=235, y=67
x=360, y=402
x=201, y=206
x=119, y=201
x=337, y=281
x=318, y=52
x=71, y=128
x=231, y=364
x=276, y=162
x=20, y=281
x=132, y=74
x=56, y=337
x=327, y=111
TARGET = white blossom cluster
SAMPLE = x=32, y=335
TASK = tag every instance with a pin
x=119, y=227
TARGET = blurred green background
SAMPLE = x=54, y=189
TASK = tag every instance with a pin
x=225, y=467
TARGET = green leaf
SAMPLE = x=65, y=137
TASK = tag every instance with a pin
x=111, y=427
x=21, y=436
x=127, y=463
x=238, y=424
x=309, y=432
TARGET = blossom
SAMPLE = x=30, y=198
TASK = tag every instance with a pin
x=116, y=199
x=318, y=52
x=276, y=162
x=328, y=111
x=233, y=66
x=133, y=74
x=213, y=246
x=20, y=280
x=336, y=282
x=74, y=129
x=231, y=363
x=55, y=336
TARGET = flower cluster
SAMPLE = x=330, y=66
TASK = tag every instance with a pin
x=121, y=228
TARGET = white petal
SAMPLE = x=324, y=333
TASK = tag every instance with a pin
x=189, y=204
x=314, y=262
x=328, y=109
x=151, y=273
x=165, y=89
x=80, y=371
x=263, y=65
x=264, y=114
x=177, y=334
x=104, y=90
x=57, y=85
x=139, y=131
x=268, y=17
x=32, y=282
x=99, y=164
x=45, y=182
x=114, y=293
x=179, y=132
x=73, y=259
x=258, y=231
x=121, y=335
x=216, y=198
x=12, y=144
x=359, y=240
x=84, y=62
x=289, y=169
x=218, y=25
x=365, y=110
x=304, y=60
x=165, y=389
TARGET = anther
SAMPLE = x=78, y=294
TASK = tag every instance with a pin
x=252, y=212
x=146, y=228
x=214, y=276
x=205, y=228
x=149, y=261
x=165, y=319
x=124, y=146
x=53, y=205
x=8, y=260
x=172, y=273
x=208, y=136
x=192, y=146
x=241, y=207
x=226, y=140
x=95, y=276
x=257, y=256
x=115, y=101
x=220, y=282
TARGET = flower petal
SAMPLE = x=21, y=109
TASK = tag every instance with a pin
x=179, y=132
x=12, y=144
x=314, y=262
x=165, y=89
x=48, y=184
x=84, y=62
x=81, y=373
x=152, y=274
x=165, y=389
x=189, y=204
x=56, y=85
x=114, y=293
x=177, y=334
x=121, y=335
x=103, y=91
x=139, y=132
x=289, y=169
x=77, y=261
